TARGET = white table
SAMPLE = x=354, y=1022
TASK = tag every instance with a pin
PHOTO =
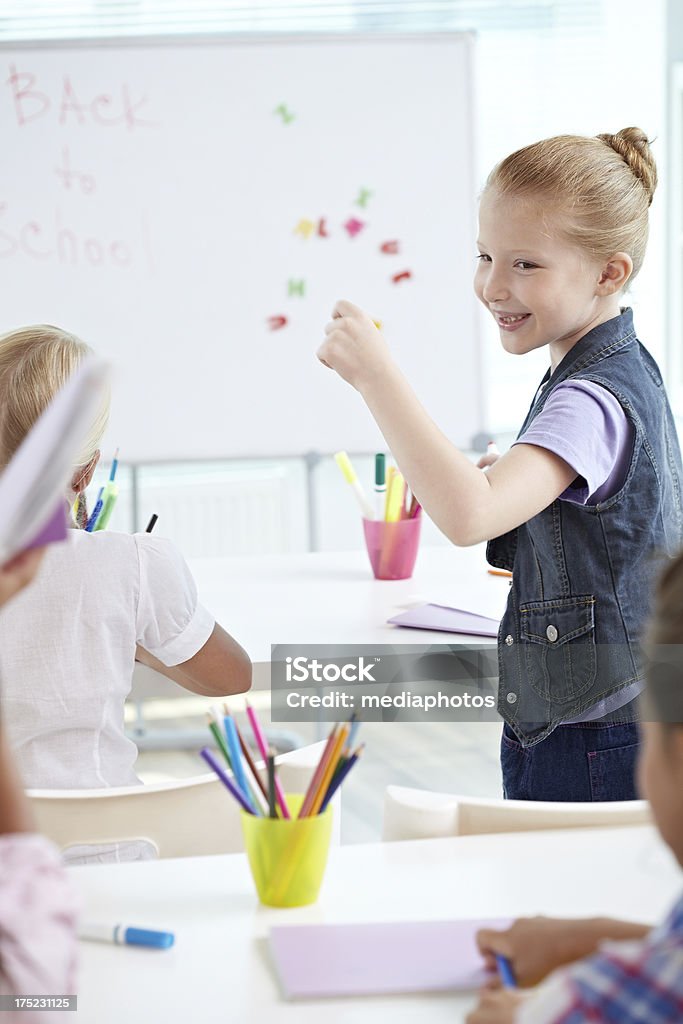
x=332, y=598
x=323, y=598
x=219, y=969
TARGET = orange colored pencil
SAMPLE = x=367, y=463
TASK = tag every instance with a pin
x=317, y=774
x=329, y=770
x=499, y=572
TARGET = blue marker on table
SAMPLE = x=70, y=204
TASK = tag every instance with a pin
x=507, y=975
x=125, y=935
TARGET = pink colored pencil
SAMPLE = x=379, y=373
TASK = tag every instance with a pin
x=263, y=749
x=414, y=509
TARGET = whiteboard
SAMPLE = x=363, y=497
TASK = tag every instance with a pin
x=193, y=210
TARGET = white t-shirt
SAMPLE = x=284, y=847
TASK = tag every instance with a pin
x=67, y=651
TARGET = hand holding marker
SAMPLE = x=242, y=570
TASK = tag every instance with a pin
x=507, y=974
x=493, y=452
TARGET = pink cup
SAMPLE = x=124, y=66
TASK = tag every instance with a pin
x=392, y=547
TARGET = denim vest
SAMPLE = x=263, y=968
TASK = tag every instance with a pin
x=582, y=574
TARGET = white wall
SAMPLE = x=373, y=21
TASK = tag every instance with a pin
x=533, y=84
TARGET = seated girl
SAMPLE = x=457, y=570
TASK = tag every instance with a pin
x=68, y=644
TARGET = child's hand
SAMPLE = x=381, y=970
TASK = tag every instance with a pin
x=488, y=459
x=535, y=946
x=496, y=1007
x=18, y=572
x=354, y=346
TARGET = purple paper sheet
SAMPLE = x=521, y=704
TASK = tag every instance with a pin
x=449, y=620
x=372, y=959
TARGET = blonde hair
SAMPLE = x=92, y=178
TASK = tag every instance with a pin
x=35, y=362
x=603, y=186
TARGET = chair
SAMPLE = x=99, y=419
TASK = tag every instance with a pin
x=148, y=685
x=422, y=814
x=182, y=818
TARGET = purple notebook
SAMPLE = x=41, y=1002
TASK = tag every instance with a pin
x=449, y=620
x=315, y=960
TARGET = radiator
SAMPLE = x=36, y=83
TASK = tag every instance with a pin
x=227, y=512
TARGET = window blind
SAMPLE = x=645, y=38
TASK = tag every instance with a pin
x=33, y=20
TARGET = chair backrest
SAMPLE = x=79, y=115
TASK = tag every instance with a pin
x=182, y=818
x=422, y=814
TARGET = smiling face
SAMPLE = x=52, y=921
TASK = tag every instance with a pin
x=540, y=289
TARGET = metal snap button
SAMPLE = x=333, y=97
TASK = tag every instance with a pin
x=552, y=634
x=511, y=698
x=509, y=640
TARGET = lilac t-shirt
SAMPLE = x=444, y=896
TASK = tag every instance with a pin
x=586, y=426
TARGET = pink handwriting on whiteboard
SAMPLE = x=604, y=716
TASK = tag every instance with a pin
x=72, y=107
x=56, y=242
x=71, y=177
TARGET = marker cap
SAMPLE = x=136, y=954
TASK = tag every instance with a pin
x=146, y=937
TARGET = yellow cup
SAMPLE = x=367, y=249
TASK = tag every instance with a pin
x=287, y=857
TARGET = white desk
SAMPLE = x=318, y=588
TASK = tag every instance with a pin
x=324, y=598
x=332, y=598
x=219, y=969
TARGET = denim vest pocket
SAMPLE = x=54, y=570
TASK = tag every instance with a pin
x=559, y=647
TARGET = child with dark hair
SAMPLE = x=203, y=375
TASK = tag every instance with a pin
x=629, y=974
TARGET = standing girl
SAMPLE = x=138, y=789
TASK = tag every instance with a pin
x=590, y=493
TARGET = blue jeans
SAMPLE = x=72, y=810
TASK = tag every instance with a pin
x=586, y=762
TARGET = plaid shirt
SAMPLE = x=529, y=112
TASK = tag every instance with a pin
x=625, y=983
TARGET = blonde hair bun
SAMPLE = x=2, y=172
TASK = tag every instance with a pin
x=633, y=147
x=601, y=185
